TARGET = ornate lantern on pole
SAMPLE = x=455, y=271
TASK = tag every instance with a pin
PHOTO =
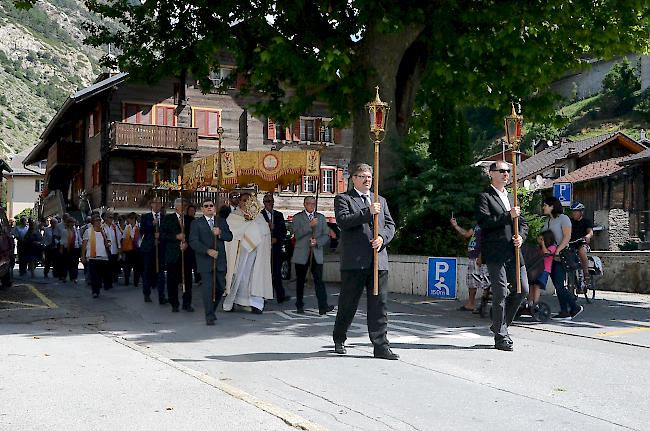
x=155, y=174
x=513, y=124
x=220, y=131
x=377, y=113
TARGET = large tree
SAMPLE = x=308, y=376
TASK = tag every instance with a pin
x=293, y=52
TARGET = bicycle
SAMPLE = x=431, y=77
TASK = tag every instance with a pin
x=574, y=274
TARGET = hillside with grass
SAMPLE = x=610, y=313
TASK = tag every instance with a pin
x=42, y=61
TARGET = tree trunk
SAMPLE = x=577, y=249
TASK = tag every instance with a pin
x=397, y=60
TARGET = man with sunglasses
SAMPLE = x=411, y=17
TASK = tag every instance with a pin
x=496, y=214
x=278, y=228
x=207, y=238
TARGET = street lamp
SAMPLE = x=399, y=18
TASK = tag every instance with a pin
x=512, y=125
x=377, y=113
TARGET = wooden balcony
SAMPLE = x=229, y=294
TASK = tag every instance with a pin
x=137, y=196
x=64, y=154
x=148, y=137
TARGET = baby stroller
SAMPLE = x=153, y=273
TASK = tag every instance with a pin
x=541, y=311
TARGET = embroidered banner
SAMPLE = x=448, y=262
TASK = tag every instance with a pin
x=266, y=169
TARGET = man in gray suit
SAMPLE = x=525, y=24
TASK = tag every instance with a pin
x=207, y=238
x=312, y=236
x=354, y=215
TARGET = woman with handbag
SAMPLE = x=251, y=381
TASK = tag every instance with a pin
x=560, y=224
x=95, y=250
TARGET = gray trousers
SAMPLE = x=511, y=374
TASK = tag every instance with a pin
x=207, y=280
x=505, y=299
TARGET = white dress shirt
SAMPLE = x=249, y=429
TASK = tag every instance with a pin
x=503, y=195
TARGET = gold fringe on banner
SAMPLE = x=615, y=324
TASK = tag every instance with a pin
x=266, y=169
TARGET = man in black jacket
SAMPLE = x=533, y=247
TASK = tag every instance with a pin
x=152, y=251
x=175, y=231
x=354, y=215
x=495, y=215
x=278, y=227
x=207, y=238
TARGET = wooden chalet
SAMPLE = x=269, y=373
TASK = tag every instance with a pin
x=104, y=143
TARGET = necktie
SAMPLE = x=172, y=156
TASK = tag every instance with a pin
x=211, y=223
x=311, y=216
x=366, y=199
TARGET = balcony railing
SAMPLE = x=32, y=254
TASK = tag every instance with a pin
x=138, y=195
x=64, y=153
x=148, y=137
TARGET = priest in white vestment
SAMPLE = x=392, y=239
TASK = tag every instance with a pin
x=248, y=279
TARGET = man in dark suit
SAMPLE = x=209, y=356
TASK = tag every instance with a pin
x=177, y=255
x=495, y=215
x=278, y=227
x=354, y=215
x=153, y=275
x=207, y=238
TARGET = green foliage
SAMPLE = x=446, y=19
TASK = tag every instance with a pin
x=533, y=133
x=37, y=21
x=27, y=212
x=448, y=134
x=531, y=205
x=643, y=103
x=629, y=246
x=619, y=85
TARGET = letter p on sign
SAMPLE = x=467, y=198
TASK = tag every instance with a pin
x=441, y=268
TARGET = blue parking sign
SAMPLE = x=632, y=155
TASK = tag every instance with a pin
x=564, y=192
x=441, y=280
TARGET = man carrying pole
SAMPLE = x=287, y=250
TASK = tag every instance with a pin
x=175, y=231
x=153, y=275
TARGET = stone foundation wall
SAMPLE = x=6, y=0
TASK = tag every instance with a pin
x=624, y=271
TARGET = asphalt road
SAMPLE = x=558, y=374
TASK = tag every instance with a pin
x=71, y=362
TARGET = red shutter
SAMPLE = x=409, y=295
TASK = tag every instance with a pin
x=287, y=133
x=97, y=121
x=340, y=181
x=140, y=171
x=337, y=136
x=317, y=135
x=296, y=131
x=240, y=81
x=200, y=122
x=270, y=130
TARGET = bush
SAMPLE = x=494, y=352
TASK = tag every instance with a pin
x=629, y=246
x=643, y=102
x=619, y=85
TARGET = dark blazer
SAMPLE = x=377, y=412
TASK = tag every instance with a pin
x=354, y=219
x=170, y=227
x=497, y=228
x=147, y=231
x=202, y=239
x=279, y=228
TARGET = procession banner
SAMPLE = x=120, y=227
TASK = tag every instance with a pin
x=266, y=169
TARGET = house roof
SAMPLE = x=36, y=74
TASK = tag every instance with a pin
x=17, y=167
x=592, y=171
x=547, y=158
x=641, y=157
x=40, y=151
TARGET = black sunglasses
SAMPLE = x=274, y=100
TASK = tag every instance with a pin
x=503, y=171
x=208, y=205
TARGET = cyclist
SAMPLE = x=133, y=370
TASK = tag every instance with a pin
x=582, y=232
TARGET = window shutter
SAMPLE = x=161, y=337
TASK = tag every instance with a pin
x=145, y=114
x=160, y=116
x=340, y=181
x=337, y=136
x=200, y=122
x=287, y=133
x=317, y=136
x=270, y=130
x=296, y=131
x=97, y=122
x=140, y=171
x=131, y=113
x=213, y=122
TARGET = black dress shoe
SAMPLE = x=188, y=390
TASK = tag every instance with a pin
x=325, y=310
x=386, y=354
x=147, y=298
x=209, y=322
x=503, y=345
x=300, y=310
x=163, y=301
x=340, y=348
x=256, y=310
x=175, y=309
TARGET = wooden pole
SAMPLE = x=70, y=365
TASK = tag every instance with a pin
x=216, y=208
x=516, y=221
x=375, y=221
x=180, y=193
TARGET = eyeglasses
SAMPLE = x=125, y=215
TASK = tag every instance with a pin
x=369, y=177
x=503, y=171
x=208, y=205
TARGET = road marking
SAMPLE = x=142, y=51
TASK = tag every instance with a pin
x=42, y=297
x=623, y=331
x=286, y=416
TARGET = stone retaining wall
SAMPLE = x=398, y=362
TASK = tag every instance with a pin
x=625, y=271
